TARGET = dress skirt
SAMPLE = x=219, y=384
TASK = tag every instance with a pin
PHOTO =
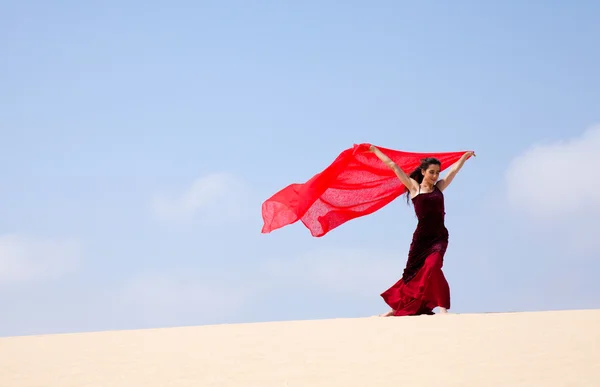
x=426, y=290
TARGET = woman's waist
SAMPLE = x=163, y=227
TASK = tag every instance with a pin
x=428, y=230
x=431, y=223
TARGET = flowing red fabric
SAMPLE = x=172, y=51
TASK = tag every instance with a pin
x=356, y=184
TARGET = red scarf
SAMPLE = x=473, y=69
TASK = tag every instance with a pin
x=356, y=184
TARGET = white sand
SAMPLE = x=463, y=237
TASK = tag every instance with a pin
x=542, y=349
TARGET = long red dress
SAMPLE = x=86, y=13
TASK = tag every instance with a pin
x=423, y=285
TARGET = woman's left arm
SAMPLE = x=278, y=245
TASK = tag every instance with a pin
x=444, y=182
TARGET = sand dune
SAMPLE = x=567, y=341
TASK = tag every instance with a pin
x=507, y=349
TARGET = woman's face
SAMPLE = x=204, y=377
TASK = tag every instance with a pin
x=431, y=174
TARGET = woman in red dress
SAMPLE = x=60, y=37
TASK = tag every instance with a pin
x=423, y=286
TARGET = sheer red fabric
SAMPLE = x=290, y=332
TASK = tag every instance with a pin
x=356, y=184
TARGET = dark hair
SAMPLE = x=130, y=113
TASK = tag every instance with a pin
x=418, y=175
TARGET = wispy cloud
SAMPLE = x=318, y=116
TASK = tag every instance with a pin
x=558, y=179
x=188, y=296
x=555, y=189
x=26, y=259
x=215, y=197
x=352, y=271
x=182, y=296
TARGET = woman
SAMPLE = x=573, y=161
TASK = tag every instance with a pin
x=423, y=286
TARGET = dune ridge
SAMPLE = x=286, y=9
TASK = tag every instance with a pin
x=554, y=348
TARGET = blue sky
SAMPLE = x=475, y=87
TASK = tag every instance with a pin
x=139, y=140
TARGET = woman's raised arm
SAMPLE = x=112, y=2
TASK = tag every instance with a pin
x=410, y=184
x=444, y=182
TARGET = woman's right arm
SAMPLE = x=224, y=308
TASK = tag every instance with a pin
x=410, y=184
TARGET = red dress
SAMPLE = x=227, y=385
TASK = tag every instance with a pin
x=423, y=285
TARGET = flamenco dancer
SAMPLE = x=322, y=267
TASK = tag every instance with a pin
x=423, y=285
